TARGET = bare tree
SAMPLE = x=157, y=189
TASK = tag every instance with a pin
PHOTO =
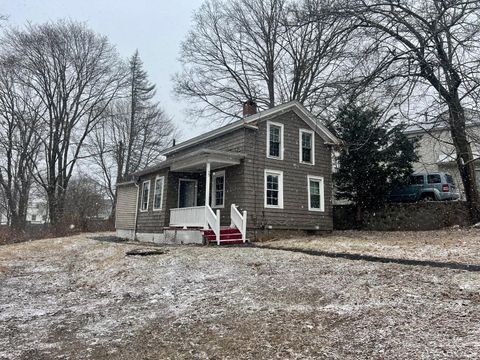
x=257, y=49
x=20, y=114
x=75, y=73
x=133, y=131
x=85, y=199
x=431, y=48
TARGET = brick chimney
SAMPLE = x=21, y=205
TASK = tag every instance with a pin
x=249, y=108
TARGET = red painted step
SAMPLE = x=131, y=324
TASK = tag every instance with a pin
x=229, y=236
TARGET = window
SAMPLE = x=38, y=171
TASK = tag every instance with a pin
x=218, y=189
x=307, y=147
x=273, y=189
x=158, y=193
x=416, y=180
x=316, y=200
x=274, y=140
x=434, y=179
x=145, y=195
x=34, y=217
x=449, y=178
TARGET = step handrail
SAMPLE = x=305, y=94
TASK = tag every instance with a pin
x=213, y=220
x=239, y=220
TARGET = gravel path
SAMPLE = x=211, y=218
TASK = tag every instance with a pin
x=79, y=298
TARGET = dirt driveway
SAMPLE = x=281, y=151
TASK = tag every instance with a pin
x=81, y=298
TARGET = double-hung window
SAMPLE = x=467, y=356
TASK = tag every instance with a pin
x=316, y=200
x=218, y=189
x=307, y=147
x=145, y=195
x=158, y=193
x=273, y=189
x=274, y=140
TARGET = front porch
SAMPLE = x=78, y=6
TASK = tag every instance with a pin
x=198, y=184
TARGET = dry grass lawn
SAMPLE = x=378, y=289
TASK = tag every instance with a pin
x=453, y=245
x=81, y=298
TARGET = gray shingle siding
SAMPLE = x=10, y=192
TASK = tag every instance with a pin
x=295, y=213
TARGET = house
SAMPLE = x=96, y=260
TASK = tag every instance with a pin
x=436, y=151
x=268, y=172
x=37, y=213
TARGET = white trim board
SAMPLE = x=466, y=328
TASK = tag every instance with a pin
x=300, y=147
x=280, y=189
x=281, y=150
x=322, y=192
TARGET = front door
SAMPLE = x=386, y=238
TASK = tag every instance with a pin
x=187, y=193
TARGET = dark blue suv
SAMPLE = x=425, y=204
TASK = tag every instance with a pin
x=426, y=187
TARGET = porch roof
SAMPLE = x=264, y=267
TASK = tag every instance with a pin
x=196, y=161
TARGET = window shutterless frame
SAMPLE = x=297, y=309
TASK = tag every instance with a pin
x=281, y=145
x=321, y=193
x=158, y=191
x=144, y=199
x=300, y=146
x=213, y=192
x=279, y=175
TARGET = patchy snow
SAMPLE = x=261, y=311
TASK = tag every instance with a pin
x=453, y=245
x=85, y=299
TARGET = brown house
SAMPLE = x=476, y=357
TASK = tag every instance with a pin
x=270, y=171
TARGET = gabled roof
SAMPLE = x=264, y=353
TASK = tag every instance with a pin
x=252, y=120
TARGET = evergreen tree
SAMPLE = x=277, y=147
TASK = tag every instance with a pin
x=141, y=93
x=377, y=157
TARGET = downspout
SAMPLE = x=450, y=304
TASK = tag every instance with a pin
x=136, y=210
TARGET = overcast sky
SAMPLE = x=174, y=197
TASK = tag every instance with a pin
x=154, y=27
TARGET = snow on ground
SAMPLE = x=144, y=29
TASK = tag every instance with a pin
x=452, y=245
x=81, y=298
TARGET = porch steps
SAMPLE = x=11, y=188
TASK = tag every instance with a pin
x=228, y=236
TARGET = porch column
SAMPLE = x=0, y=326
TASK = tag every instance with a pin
x=207, y=191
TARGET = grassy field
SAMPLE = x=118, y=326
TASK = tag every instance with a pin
x=83, y=298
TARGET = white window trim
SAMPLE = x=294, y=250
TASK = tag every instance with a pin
x=280, y=189
x=148, y=196
x=322, y=192
x=269, y=123
x=161, y=193
x=216, y=175
x=300, y=152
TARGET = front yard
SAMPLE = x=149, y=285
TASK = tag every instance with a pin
x=85, y=299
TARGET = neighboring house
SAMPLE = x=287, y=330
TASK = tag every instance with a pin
x=436, y=151
x=37, y=213
x=270, y=171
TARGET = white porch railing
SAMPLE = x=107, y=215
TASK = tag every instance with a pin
x=239, y=221
x=213, y=220
x=188, y=216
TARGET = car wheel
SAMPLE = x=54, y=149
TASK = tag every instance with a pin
x=427, y=198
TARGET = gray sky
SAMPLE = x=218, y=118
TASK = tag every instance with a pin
x=155, y=28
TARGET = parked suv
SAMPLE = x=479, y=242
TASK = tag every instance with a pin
x=427, y=187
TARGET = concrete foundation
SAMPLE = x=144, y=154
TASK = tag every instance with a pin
x=170, y=236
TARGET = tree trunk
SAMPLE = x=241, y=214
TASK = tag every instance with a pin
x=465, y=160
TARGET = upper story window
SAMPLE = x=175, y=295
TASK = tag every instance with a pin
x=145, y=195
x=316, y=200
x=274, y=140
x=307, y=146
x=218, y=189
x=273, y=189
x=158, y=193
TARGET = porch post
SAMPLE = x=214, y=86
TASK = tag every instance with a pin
x=207, y=192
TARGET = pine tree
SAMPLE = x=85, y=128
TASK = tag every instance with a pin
x=141, y=94
x=378, y=156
